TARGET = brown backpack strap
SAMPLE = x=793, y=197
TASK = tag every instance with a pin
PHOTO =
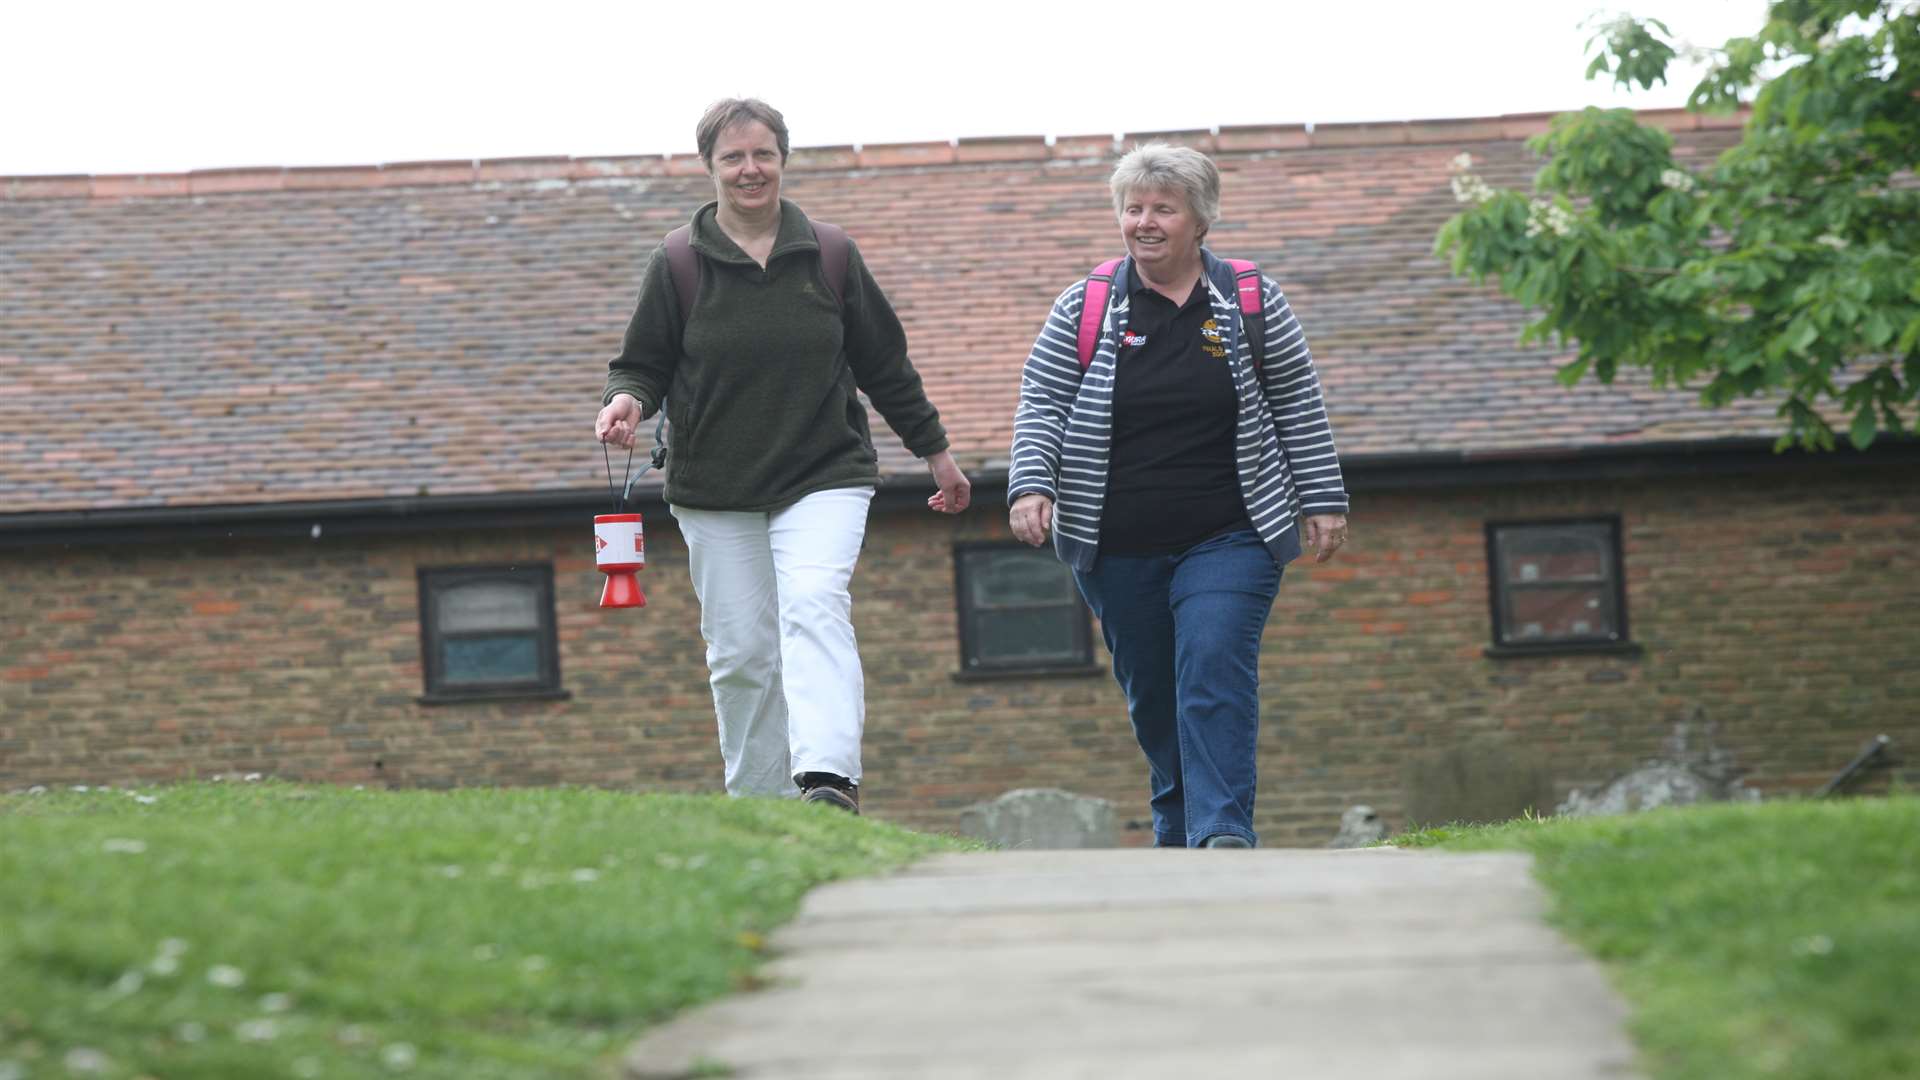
x=683, y=264
x=684, y=267
x=833, y=258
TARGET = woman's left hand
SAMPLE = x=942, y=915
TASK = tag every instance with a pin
x=1326, y=534
x=955, y=492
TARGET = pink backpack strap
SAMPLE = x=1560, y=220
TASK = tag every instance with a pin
x=1093, y=308
x=1253, y=311
x=1246, y=278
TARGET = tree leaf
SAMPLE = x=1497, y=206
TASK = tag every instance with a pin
x=1801, y=334
x=1792, y=260
x=1910, y=337
x=1864, y=428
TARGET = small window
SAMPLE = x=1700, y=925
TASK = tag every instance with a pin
x=488, y=632
x=1020, y=612
x=1556, y=584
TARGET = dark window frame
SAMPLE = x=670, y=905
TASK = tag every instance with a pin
x=437, y=580
x=1614, y=584
x=971, y=669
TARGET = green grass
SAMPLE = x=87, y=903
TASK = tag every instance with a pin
x=269, y=930
x=1776, y=941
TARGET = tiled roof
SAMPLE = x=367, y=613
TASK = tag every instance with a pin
x=250, y=336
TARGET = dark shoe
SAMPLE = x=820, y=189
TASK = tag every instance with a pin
x=1225, y=840
x=831, y=789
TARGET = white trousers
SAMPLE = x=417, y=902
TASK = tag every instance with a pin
x=777, y=619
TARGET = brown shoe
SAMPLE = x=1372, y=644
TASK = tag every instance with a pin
x=835, y=791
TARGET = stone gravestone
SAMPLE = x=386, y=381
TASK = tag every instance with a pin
x=1359, y=826
x=1695, y=769
x=1657, y=783
x=1042, y=818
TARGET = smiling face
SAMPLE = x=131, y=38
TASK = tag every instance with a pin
x=1161, y=230
x=746, y=168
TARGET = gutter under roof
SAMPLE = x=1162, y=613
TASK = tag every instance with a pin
x=320, y=521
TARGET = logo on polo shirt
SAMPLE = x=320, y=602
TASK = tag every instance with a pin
x=1215, y=340
x=1132, y=339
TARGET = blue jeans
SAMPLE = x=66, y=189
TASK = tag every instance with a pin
x=1184, y=631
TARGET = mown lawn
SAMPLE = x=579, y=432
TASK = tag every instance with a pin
x=1777, y=941
x=257, y=930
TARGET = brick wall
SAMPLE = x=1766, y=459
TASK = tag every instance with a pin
x=1782, y=610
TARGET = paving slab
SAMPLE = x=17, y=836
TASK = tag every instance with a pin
x=1378, y=964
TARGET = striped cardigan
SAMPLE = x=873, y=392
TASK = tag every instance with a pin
x=1064, y=424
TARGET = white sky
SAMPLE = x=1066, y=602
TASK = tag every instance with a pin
x=108, y=86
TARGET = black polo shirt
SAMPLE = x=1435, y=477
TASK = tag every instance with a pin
x=1171, y=479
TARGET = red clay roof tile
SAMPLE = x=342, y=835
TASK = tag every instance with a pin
x=443, y=327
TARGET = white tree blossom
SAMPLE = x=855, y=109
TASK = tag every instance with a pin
x=1470, y=188
x=1545, y=215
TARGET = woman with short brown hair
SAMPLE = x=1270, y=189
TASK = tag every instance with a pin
x=772, y=466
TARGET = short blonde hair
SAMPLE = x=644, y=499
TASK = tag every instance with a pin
x=1180, y=169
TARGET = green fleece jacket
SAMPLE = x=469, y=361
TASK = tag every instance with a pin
x=760, y=385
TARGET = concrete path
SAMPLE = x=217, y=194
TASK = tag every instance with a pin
x=1375, y=964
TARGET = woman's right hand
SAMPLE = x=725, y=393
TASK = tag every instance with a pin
x=618, y=421
x=1031, y=516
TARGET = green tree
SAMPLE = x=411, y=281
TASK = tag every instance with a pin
x=1790, y=268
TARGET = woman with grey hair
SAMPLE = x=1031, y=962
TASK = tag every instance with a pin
x=1171, y=437
x=755, y=330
